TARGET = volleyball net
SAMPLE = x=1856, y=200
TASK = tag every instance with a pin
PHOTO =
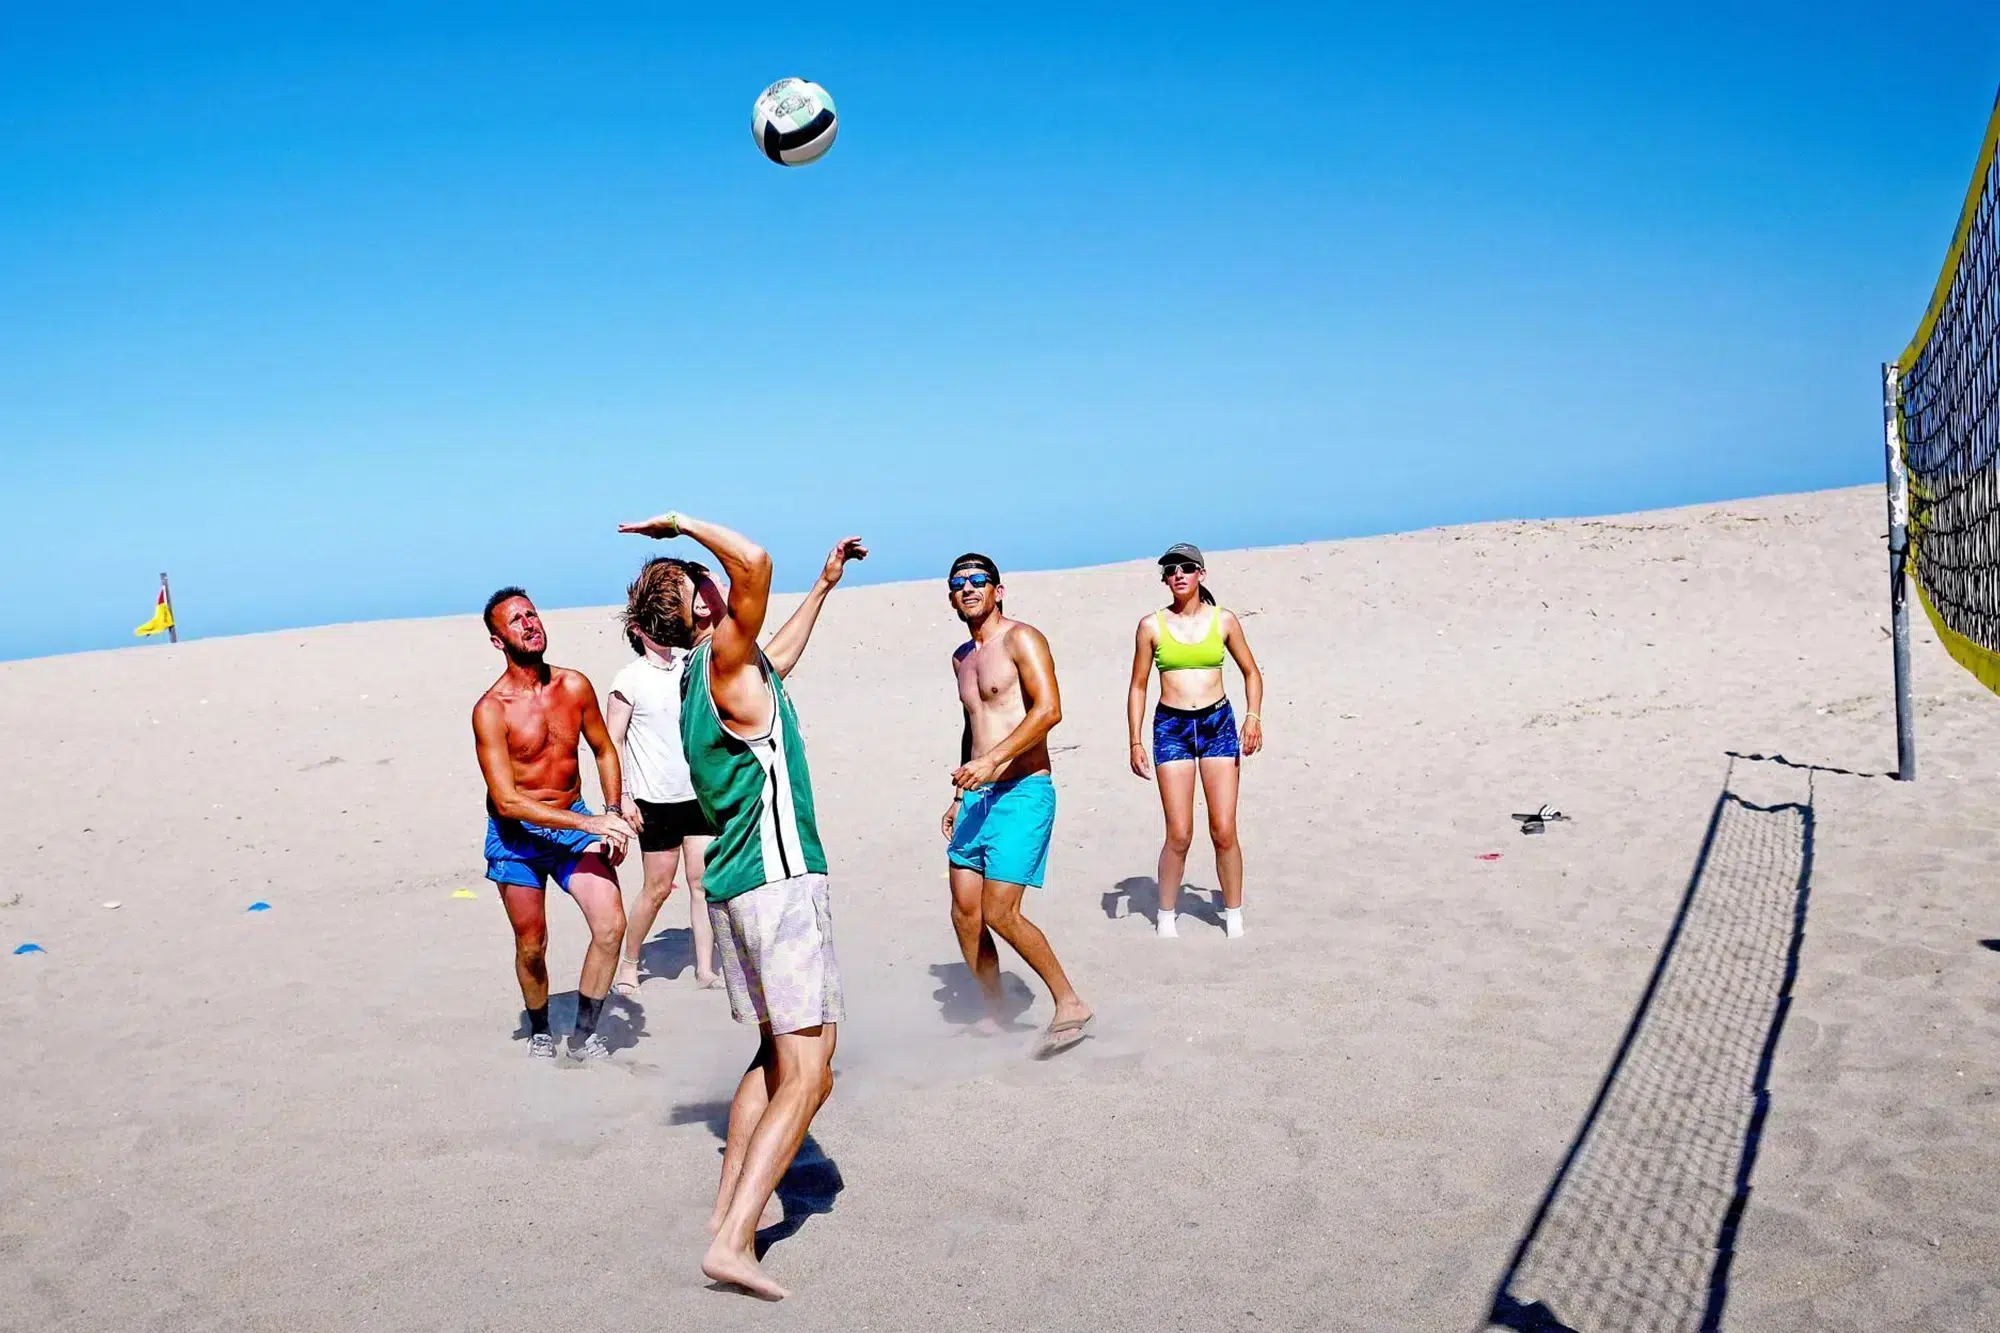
x=1942, y=414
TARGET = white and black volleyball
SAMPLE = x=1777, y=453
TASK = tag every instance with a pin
x=794, y=122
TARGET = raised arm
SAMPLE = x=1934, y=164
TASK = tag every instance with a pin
x=1253, y=682
x=748, y=566
x=489, y=734
x=1037, y=668
x=790, y=640
x=1135, y=697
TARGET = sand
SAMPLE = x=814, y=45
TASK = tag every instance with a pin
x=321, y=1116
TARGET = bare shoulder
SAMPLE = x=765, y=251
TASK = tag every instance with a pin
x=1228, y=621
x=490, y=710
x=1025, y=638
x=572, y=683
x=1149, y=624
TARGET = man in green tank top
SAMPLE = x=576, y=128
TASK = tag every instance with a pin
x=766, y=876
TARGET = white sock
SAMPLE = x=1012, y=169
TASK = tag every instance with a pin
x=1165, y=922
x=1232, y=922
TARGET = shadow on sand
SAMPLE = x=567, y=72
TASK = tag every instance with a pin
x=808, y=1188
x=667, y=954
x=620, y=1022
x=1637, y=1230
x=960, y=1002
x=1140, y=896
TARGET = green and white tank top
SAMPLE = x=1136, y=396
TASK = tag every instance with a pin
x=755, y=790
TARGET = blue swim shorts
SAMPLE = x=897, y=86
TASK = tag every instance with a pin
x=1003, y=830
x=1201, y=733
x=529, y=854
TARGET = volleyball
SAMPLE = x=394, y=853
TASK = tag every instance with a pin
x=794, y=122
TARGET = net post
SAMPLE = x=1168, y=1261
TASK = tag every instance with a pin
x=167, y=591
x=1898, y=477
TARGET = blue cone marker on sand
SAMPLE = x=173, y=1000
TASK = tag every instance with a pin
x=259, y=906
x=29, y=948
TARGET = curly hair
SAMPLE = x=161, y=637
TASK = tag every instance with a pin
x=657, y=605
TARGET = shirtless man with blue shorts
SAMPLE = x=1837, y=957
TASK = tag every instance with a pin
x=1004, y=810
x=526, y=727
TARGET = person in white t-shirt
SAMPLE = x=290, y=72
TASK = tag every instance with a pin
x=643, y=716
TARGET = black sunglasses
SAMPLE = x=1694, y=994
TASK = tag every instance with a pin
x=976, y=579
x=1179, y=567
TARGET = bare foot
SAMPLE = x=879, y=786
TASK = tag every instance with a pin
x=707, y=981
x=987, y=1027
x=739, y=1269
x=626, y=982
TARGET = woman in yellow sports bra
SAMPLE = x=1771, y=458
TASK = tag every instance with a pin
x=1194, y=729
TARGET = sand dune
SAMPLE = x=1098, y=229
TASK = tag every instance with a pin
x=1425, y=1078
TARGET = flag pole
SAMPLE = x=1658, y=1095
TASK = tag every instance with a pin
x=167, y=591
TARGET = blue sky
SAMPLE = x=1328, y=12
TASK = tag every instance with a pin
x=360, y=312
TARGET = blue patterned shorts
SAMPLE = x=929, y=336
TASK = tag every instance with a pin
x=1202, y=733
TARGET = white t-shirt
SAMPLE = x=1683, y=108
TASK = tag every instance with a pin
x=655, y=768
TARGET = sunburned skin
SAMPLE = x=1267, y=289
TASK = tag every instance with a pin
x=543, y=724
x=526, y=728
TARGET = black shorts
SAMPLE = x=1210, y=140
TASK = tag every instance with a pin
x=667, y=823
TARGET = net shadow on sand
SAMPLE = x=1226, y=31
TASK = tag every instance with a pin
x=1637, y=1231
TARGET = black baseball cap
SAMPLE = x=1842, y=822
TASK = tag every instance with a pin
x=974, y=560
x=1184, y=551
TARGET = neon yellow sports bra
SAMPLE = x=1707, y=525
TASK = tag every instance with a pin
x=1170, y=654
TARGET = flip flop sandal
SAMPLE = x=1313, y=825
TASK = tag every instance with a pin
x=1062, y=1037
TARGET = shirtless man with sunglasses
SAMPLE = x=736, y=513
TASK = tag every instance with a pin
x=1004, y=808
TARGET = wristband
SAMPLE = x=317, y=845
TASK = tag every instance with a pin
x=1252, y=717
x=674, y=522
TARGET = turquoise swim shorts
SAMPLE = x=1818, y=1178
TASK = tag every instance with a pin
x=1003, y=830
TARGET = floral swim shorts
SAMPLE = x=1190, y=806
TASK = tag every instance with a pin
x=777, y=954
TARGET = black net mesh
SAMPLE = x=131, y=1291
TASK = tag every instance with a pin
x=1949, y=396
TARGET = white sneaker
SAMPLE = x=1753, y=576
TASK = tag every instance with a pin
x=542, y=1046
x=1232, y=924
x=1164, y=923
x=591, y=1048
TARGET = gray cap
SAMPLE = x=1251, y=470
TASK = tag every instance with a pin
x=1180, y=551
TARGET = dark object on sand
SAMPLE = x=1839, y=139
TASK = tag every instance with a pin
x=1539, y=821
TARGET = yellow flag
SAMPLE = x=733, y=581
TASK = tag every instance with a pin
x=162, y=621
